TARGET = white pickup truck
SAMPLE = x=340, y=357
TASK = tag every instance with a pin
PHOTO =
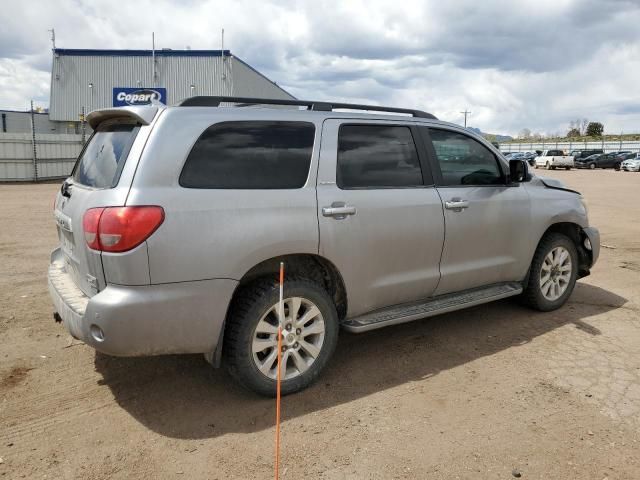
x=550, y=159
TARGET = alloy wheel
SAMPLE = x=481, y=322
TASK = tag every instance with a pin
x=302, y=338
x=555, y=273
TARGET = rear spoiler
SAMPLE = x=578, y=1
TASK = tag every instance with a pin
x=143, y=115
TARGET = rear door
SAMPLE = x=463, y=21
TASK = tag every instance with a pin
x=380, y=217
x=486, y=220
x=93, y=182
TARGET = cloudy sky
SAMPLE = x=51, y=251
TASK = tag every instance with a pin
x=520, y=63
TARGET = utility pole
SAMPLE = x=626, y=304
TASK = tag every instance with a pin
x=621, y=133
x=53, y=38
x=33, y=144
x=153, y=58
x=465, y=113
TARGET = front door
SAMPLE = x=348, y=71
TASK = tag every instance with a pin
x=380, y=216
x=486, y=220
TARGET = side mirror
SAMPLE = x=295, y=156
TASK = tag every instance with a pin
x=518, y=171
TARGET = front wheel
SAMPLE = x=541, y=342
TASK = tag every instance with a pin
x=553, y=273
x=616, y=167
x=309, y=335
x=548, y=166
x=592, y=166
x=567, y=168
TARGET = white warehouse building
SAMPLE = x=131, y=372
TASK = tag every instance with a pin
x=36, y=146
x=84, y=80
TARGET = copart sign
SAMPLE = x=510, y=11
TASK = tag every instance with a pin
x=138, y=96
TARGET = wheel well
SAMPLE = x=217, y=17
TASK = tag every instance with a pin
x=575, y=233
x=314, y=267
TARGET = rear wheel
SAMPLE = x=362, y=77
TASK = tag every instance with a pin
x=592, y=166
x=553, y=273
x=309, y=335
x=616, y=166
x=567, y=168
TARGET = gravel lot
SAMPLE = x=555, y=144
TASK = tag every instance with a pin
x=473, y=394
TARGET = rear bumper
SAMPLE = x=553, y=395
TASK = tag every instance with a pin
x=185, y=317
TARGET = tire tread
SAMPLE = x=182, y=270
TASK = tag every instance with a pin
x=240, y=316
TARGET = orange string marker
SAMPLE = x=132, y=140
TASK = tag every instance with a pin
x=278, y=378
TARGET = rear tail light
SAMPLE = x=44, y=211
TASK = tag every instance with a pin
x=119, y=229
x=90, y=223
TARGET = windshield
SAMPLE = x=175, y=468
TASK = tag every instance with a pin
x=102, y=160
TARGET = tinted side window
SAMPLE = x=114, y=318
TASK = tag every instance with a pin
x=250, y=155
x=377, y=156
x=103, y=158
x=463, y=160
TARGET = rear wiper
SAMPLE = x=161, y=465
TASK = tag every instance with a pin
x=65, y=189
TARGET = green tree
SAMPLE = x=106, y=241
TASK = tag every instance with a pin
x=574, y=132
x=595, y=129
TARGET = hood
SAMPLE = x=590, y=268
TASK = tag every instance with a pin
x=553, y=183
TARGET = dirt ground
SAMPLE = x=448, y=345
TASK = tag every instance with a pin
x=472, y=394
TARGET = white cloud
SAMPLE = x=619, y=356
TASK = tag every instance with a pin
x=533, y=63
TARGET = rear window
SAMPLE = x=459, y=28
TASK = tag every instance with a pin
x=377, y=156
x=101, y=162
x=250, y=155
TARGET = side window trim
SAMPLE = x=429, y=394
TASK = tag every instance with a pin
x=423, y=157
x=435, y=164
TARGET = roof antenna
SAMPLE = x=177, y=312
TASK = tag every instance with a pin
x=53, y=38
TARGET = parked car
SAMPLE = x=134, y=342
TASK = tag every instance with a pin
x=175, y=220
x=578, y=154
x=603, y=160
x=624, y=155
x=632, y=164
x=588, y=162
x=552, y=159
x=530, y=157
x=512, y=155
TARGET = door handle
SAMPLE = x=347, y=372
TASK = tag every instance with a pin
x=456, y=204
x=338, y=212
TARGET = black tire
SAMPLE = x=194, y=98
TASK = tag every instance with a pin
x=592, y=166
x=532, y=295
x=250, y=304
x=567, y=168
x=616, y=167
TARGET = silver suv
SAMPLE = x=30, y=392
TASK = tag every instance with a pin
x=175, y=219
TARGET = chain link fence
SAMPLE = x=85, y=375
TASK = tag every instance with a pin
x=40, y=156
x=607, y=146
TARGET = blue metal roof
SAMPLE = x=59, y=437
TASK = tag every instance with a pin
x=81, y=52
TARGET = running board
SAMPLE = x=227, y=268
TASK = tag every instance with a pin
x=408, y=312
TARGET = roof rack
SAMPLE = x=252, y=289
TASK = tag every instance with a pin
x=207, y=101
